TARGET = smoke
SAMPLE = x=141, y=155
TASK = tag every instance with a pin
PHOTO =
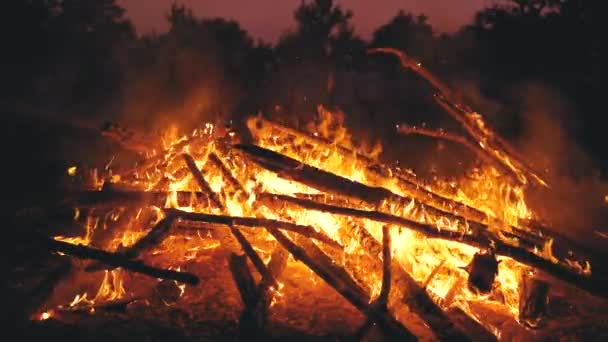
x=575, y=202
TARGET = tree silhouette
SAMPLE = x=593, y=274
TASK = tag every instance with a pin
x=408, y=33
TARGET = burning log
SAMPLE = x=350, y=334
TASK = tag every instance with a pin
x=587, y=283
x=291, y=169
x=424, y=229
x=533, y=298
x=253, y=256
x=117, y=260
x=354, y=295
x=482, y=271
x=410, y=184
x=386, y=268
x=252, y=222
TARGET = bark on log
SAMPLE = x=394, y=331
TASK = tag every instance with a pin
x=117, y=260
x=387, y=323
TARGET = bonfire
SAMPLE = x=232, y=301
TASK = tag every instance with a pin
x=302, y=228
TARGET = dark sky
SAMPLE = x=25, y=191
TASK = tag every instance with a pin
x=267, y=19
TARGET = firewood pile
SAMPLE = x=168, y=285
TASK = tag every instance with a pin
x=302, y=229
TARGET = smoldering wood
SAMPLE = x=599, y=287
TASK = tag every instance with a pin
x=470, y=326
x=253, y=222
x=43, y=291
x=117, y=260
x=533, y=299
x=356, y=297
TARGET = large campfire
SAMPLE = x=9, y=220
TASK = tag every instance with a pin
x=305, y=229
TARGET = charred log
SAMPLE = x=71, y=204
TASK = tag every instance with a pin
x=482, y=270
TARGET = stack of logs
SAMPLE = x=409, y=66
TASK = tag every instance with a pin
x=297, y=240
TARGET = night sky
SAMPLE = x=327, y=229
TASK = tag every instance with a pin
x=267, y=19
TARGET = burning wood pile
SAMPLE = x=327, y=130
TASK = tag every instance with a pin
x=298, y=219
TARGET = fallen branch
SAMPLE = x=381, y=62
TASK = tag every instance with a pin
x=117, y=260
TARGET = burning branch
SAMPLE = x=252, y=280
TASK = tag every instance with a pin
x=471, y=121
x=116, y=260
